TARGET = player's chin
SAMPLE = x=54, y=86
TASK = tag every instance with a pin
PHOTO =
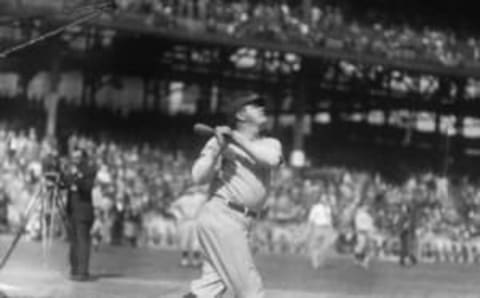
x=262, y=122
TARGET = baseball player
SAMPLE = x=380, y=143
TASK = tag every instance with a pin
x=322, y=235
x=185, y=210
x=345, y=217
x=364, y=227
x=238, y=162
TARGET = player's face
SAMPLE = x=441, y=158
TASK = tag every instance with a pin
x=255, y=114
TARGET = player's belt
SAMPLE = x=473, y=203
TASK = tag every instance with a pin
x=242, y=209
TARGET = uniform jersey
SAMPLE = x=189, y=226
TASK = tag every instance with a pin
x=240, y=179
x=320, y=215
x=223, y=231
x=363, y=221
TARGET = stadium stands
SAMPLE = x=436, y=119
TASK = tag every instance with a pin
x=141, y=180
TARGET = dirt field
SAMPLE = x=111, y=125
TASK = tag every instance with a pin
x=126, y=272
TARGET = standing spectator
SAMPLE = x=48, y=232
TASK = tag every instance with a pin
x=118, y=214
x=285, y=214
x=96, y=231
x=408, y=223
x=131, y=225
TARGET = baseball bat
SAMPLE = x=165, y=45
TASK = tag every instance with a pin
x=206, y=130
x=203, y=129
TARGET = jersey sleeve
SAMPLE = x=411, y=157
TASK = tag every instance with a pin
x=274, y=147
x=210, y=148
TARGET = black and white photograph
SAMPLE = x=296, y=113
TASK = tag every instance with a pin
x=239, y=149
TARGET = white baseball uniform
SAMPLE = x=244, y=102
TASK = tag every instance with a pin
x=223, y=231
x=323, y=235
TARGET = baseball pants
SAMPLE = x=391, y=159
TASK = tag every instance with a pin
x=223, y=237
x=322, y=240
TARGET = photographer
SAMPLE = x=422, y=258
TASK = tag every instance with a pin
x=79, y=180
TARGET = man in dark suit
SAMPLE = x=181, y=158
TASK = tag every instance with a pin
x=80, y=178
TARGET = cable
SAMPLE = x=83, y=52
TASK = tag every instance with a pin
x=109, y=4
x=98, y=11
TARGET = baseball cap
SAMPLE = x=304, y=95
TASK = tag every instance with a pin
x=238, y=102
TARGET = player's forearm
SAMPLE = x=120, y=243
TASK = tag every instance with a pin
x=204, y=169
x=267, y=156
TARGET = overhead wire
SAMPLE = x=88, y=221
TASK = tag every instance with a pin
x=98, y=10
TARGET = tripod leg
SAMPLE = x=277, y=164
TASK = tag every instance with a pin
x=44, y=225
x=48, y=218
x=21, y=229
x=49, y=223
x=61, y=209
x=53, y=216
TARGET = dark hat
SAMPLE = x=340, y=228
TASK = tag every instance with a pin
x=240, y=101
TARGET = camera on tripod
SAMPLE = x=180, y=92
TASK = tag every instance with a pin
x=53, y=179
x=52, y=172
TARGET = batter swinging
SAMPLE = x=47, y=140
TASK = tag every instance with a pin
x=238, y=163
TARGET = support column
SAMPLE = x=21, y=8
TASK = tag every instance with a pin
x=85, y=87
x=52, y=99
x=387, y=110
x=93, y=88
x=146, y=83
x=297, y=156
x=164, y=94
x=86, y=67
x=277, y=111
x=442, y=139
x=307, y=11
x=202, y=10
x=203, y=102
x=437, y=122
x=460, y=117
x=157, y=96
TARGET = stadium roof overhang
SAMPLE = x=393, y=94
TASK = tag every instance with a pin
x=54, y=12
x=414, y=65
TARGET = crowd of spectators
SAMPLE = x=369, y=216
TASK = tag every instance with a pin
x=137, y=182
x=132, y=178
x=318, y=25
x=447, y=210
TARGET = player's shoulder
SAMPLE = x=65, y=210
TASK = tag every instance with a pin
x=270, y=141
x=268, y=138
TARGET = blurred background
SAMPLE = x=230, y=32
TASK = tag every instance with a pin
x=372, y=94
